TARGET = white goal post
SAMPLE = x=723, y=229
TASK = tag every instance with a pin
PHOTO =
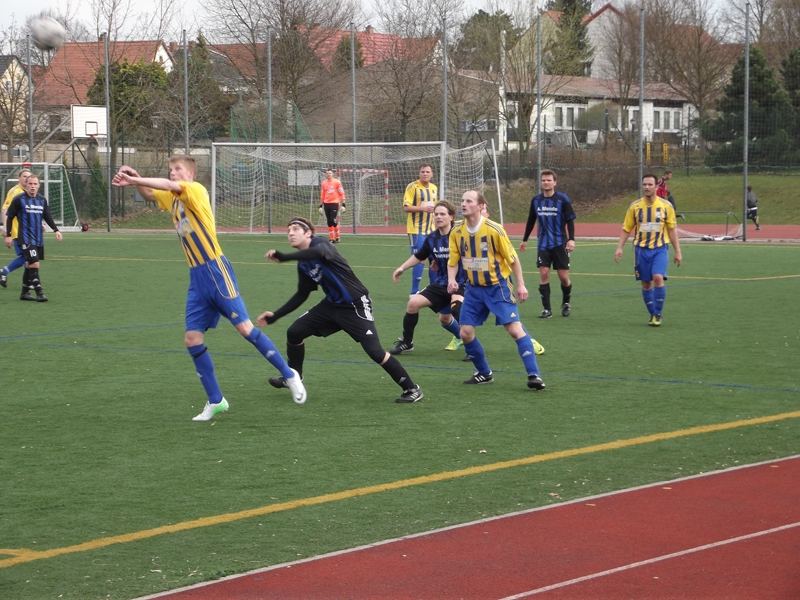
x=258, y=187
x=54, y=185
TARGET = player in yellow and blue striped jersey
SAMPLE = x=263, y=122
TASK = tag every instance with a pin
x=213, y=291
x=419, y=201
x=489, y=261
x=652, y=222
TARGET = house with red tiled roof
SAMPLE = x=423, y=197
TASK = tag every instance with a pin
x=71, y=72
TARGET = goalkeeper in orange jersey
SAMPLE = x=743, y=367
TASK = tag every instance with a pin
x=331, y=196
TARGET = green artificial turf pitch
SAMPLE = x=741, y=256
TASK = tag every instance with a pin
x=98, y=392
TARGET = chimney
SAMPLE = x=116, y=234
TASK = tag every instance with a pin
x=173, y=47
x=369, y=30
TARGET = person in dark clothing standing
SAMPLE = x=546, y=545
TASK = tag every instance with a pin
x=346, y=306
x=553, y=212
x=752, y=208
x=30, y=209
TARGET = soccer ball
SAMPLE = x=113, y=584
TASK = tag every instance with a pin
x=47, y=34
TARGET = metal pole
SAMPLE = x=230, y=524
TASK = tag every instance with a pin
x=497, y=182
x=641, y=98
x=185, y=95
x=353, y=75
x=269, y=85
x=444, y=81
x=30, y=102
x=746, y=115
x=104, y=35
x=538, y=100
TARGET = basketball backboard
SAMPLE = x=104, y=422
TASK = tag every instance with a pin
x=88, y=121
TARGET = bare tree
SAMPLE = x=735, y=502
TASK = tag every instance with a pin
x=13, y=91
x=783, y=30
x=761, y=13
x=682, y=49
x=407, y=82
x=622, y=57
x=302, y=32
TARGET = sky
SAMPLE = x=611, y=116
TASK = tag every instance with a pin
x=11, y=10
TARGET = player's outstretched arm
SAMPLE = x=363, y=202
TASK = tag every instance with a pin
x=411, y=262
x=264, y=319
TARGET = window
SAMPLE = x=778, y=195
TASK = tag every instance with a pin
x=570, y=117
x=656, y=120
x=581, y=112
x=559, y=117
x=676, y=120
x=666, y=119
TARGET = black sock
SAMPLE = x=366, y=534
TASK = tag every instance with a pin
x=398, y=373
x=544, y=292
x=25, y=278
x=566, y=290
x=33, y=279
x=409, y=324
x=296, y=354
x=455, y=308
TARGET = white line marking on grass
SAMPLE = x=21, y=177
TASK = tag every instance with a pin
x=649, y=561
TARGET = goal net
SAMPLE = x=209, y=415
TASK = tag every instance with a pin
x=54, y=185
x=259, y=187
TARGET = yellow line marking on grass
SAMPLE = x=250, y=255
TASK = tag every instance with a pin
x=23, y=555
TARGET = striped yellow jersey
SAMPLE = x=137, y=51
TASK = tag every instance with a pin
x=486, y=255
x=191, y=214
x=651, y=222
x=419, y=195
x=12, y=193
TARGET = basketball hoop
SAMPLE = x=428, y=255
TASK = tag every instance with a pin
x=101, y=140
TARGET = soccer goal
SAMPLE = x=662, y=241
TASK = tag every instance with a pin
x=54, y=186
x=259, y=187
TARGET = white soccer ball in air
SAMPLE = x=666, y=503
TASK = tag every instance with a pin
x=47, y=34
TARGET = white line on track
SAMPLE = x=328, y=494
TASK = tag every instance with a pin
x=649, y=561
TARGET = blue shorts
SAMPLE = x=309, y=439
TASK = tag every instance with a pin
x=481, y=300
x=213, y=293
x=416, y=241
x=650, y=261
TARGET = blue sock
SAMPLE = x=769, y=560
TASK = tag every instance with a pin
x=648, y=296
x=525, y=347
x=661, y=295
x=475, y=352
x=13, y=265
x=416, y=277
x=268, y=350
x=453, y=328
x=205, y=371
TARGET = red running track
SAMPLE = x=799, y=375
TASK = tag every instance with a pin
x=733, y=534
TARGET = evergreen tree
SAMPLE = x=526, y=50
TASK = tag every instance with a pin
x=481, y=45
x=571, y=53
x=790, y=72
x=341, y=56
x=771, y=119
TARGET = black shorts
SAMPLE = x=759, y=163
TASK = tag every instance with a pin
x=439, y=297
x=331, y=212
x=32, y=253
x=558, y=257
x=327, y=318
x=752, y=212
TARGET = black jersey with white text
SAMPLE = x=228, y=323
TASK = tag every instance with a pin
x=329, y=270
x=437, y=247
x=552, y=215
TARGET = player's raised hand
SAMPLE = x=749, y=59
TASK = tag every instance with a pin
x=261, y=321
x=271, y=256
